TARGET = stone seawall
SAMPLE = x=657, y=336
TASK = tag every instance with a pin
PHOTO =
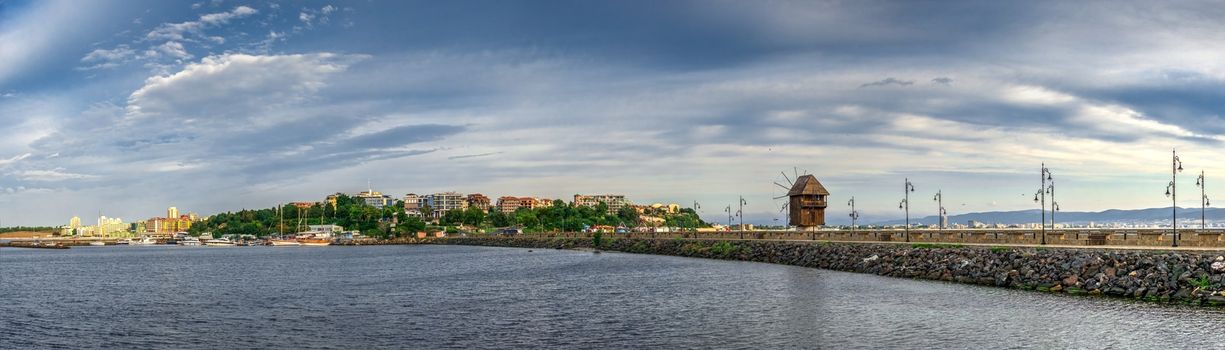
x=1209, y=238
x=1182, y=277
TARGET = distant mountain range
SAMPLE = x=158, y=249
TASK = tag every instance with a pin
x=1071, y=217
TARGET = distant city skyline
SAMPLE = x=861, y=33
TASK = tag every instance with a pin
x=125, y=107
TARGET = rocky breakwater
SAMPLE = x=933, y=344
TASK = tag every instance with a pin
x=1153, y=275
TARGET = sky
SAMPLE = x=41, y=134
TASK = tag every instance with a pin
x=124, y=108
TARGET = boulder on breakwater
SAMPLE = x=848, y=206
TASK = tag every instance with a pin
x=1153, y=275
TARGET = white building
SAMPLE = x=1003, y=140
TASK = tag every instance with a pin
x=374, y=198
x=111, y=227
x=326, y=230
x=614, y=201
x=446, y=201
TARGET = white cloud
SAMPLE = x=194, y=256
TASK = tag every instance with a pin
x=174, y=49
x=236, y=82
x=24, y=190
x=306, y=18
x=178, y=31
x=14, y=159
x=1037, y=95
x=223, y=17
x=119, y=53
x=49, y=175
x=171, y=166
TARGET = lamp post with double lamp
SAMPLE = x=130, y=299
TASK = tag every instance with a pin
x=905, y=204
x=1054, y=205
x=940, y=213
x=740, y=214
x=854, y=215
x=1171, y=191
x=1040, y=197
x=1203, y=200
x=729, y=217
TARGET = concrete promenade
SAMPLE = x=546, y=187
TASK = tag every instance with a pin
x=1154, y=239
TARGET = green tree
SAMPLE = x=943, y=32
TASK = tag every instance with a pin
x=527, y=217
x=500, y=219
x=628, y=216
x=453, y=217
x=474, y=217
x=410, y=226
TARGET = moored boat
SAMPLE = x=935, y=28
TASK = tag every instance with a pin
x=315, y=242
x=43, y=245
x=146, y=241
x=97, y=243
x=284, y=243
x=219, y=242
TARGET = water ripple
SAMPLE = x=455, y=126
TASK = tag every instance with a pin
x=493, y=298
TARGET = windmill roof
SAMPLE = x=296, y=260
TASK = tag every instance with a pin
x=807, y=185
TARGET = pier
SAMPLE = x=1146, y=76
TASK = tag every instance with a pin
x=1192, y=239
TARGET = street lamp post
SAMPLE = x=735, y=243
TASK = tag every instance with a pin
x=939, y=198
x=854, y=215
x=1045, y=175
x=740, y=214
x=905, y=204
x=729, y=217
x=1171, y=191
x=1203, y=200
x=1054, y=205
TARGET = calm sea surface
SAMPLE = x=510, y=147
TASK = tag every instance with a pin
x=473, y=297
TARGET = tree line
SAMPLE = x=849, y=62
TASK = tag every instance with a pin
x=27, y=228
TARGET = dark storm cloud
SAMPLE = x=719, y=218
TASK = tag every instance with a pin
x=888, y=81
x=402, y=135
x=1196, y=106
x=280, y=168
x=478, y=155
x=682, y=35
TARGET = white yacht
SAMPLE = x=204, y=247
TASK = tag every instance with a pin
x=219, y=242
x=189, y=241
x=146, y=241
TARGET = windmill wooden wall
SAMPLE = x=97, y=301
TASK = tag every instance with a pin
x=807, y=202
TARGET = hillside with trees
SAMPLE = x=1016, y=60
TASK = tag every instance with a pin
x=391, y=221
